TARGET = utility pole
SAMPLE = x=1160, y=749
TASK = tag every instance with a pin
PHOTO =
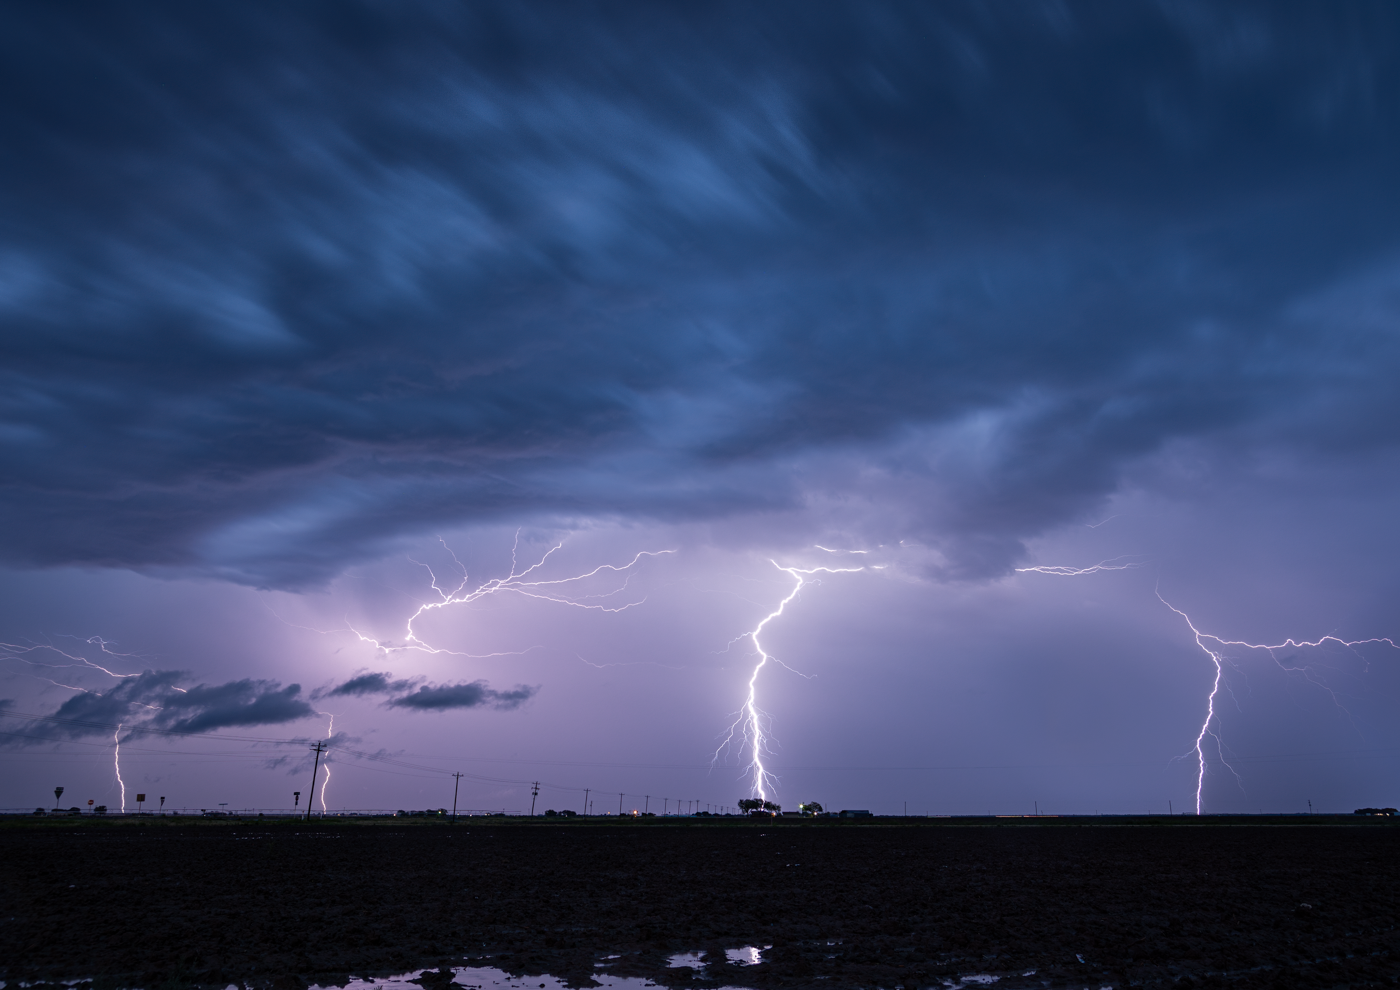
x=455, y=784
x=585, y=800
x=534, y=793
x=315, y=766
x=619, y=805
x=1310, y=806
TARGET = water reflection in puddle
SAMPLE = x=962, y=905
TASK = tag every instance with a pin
x=484, y=977
x=749, y=955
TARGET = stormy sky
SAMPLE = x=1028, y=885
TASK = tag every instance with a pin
x=317, y=314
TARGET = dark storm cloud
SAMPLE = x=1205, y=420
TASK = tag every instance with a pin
x=246, y=702
x=153, y=700
x=372, y=683
x=470, y=695
x=282, y=283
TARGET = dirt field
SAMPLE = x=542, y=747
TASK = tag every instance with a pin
x=152, y=904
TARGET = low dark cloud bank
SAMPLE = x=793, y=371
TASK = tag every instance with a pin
x=427, y=697
x=154, y=700
x=431, y=698
x=371, y=683
x=280, y=283
x=471, y=695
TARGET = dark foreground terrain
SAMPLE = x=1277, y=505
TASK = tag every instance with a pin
x=152, y=904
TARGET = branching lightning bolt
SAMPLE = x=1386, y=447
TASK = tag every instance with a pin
x=1218, y=658
x=12, y=651
x=326, y=760
x=1112, y=564
x=753, y=723
x=117, y=762
x=548, y=590
x=1209, y=727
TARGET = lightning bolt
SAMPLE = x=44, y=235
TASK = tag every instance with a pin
x=1218, y=658
x=753, y=723
x=1112, y=564
x=12, y=651
x=326, y=762
x=117, y=762
x=513, y=583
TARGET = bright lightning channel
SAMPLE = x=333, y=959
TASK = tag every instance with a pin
x=12, y=651
x=326, y=762
x=1210, y=726
x=1218, y=658
x=548, y=590
x=1112, y=564
x=117, y=762
x=752, y=722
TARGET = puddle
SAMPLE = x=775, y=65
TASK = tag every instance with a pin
x=485, y=977
x=749, y=955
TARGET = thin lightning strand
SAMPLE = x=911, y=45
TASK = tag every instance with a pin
x=11, y=651
x=1217, y=656
x=753, y=719
x=1218, y=659
x=1104, y=565
x=326, y=763
x=512, y=582
x=117, y=762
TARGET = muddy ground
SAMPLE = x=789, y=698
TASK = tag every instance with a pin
x=151, y=903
